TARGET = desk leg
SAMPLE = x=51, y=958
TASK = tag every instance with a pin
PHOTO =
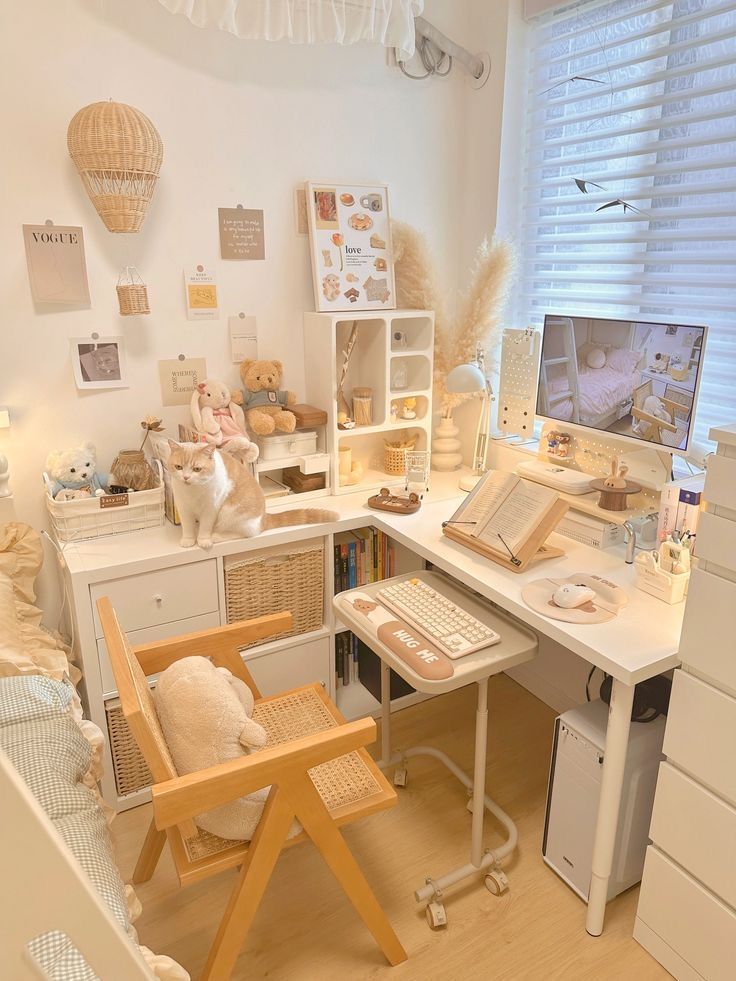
x=617, y=741
x=479, y=773
x=385, y=714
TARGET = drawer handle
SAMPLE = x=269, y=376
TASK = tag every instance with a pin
x=159, y=599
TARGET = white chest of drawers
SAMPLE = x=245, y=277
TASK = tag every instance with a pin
x=686, y=916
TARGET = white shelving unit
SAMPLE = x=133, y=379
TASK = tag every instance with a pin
x=315, y=463
x=373, y=364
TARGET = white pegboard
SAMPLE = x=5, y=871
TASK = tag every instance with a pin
x=593, y=455
x=517, y=396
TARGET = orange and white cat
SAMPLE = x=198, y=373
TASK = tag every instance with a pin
x=217, y=496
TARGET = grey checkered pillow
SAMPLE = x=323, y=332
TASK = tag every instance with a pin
x=47, y=748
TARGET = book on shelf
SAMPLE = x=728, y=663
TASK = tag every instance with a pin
x=347, y=669
x=361, y=557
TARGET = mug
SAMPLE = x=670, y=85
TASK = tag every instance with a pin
x=372, y=201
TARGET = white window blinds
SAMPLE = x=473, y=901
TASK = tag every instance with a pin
x=639, y=97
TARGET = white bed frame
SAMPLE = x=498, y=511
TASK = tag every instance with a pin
x=45, y=890
x=570, y=361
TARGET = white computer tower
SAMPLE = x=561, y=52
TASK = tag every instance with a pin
x=574, y=790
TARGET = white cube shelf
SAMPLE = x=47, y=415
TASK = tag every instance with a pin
x=384, y=338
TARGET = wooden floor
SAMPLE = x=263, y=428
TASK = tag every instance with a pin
x=306, y=930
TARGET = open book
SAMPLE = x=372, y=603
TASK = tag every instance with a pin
x=504, y=511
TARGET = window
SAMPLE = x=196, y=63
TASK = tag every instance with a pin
x=638, y=97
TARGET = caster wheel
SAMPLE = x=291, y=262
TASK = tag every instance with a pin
x=401, y=777
x=496, y=882
x=436, y=915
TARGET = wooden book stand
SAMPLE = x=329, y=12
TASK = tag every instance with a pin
x=532, y=551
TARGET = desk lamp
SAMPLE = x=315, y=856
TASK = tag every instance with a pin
x=469, y=379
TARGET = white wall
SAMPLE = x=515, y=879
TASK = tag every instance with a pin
x=242, y=122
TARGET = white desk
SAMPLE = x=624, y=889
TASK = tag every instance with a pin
x=640, y=643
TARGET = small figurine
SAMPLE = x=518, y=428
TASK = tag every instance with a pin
x=552, y=442
x=394, y=412
x=409, y=410
x=563, y=445
x=617, y=478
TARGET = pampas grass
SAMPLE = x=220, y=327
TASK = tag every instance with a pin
x=480, y=307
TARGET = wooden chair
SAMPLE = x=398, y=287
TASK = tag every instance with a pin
x=649, y=426
x=315, y=762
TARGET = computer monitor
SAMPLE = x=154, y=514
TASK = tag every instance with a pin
x=633, y=379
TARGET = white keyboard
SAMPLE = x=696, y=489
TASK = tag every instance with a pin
x=451, y=628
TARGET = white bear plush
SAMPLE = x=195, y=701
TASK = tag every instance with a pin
x=74, y=473
x=205, y=714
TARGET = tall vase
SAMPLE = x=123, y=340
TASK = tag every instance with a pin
x=446, y=446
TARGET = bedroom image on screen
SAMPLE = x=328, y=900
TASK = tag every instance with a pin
x=632, y=378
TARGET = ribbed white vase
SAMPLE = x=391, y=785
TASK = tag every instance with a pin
x=446, y=446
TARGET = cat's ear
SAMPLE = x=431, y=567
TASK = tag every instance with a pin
x=208, y=450
x=172, y=444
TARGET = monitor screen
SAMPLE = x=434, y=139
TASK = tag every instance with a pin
x=626, y=377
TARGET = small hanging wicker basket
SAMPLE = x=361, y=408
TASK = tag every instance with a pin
x=132, y=293
x=118, y=152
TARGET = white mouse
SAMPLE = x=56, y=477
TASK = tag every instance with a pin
x=569, y=595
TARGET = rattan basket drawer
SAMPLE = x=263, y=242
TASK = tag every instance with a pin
x=288, y=577
x=131, y=770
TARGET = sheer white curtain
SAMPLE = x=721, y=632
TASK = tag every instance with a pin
x=638, y=96
x=388, y=22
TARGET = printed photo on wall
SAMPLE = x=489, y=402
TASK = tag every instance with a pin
x=350, y=241
x=201, y=294
x=99, y=363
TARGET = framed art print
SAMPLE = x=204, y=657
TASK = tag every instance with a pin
x=350, y=241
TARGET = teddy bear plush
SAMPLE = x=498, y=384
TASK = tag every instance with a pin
x=206, y=718
x=73, y=473
x=263, y=401
x=220, y=419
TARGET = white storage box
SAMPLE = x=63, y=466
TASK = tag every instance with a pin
x=283, y=445
x=112, y=514
x=667, y=586
x=315, y=463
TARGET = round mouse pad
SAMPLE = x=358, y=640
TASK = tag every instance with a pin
x=538, y=596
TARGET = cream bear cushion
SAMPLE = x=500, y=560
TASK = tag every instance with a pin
x=205, y=714
x=595, y=358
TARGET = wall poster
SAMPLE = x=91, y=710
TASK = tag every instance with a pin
x=350, y=241
x=57, y=270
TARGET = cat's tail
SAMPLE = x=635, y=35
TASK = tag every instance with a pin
x=299, y=516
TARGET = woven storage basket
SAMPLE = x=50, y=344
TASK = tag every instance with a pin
x=132, y=293
x=131, y=770
x=394, y=457
x=74, y=521
x=118, y=152
x=282, y=578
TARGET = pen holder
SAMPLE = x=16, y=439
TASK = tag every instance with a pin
x=671, y=587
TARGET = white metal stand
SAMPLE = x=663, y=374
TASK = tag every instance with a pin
x=612, y=779
x=480, y=859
